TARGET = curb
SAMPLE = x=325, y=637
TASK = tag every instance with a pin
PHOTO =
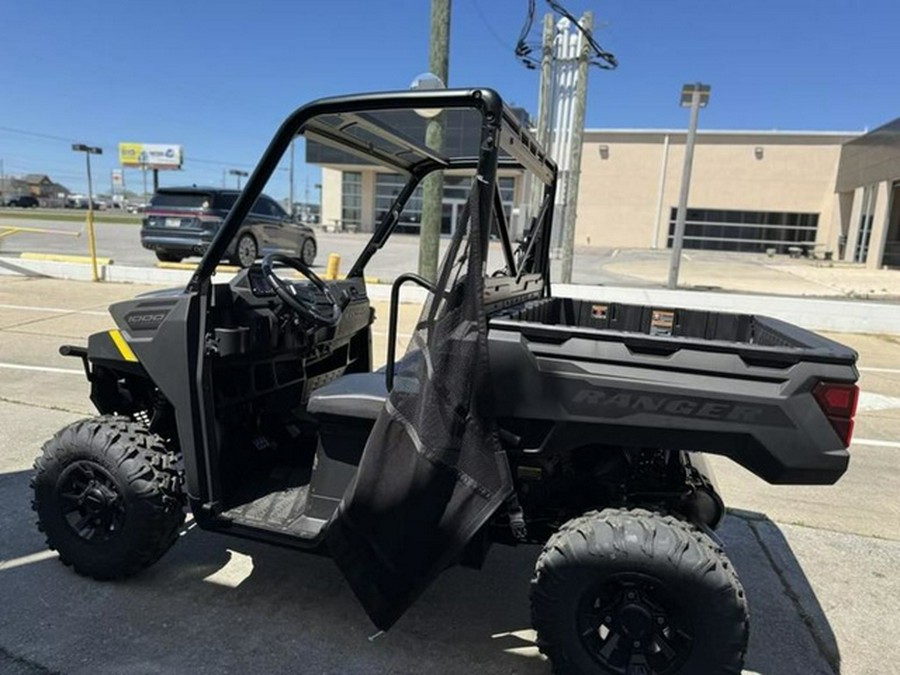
x=64, y=258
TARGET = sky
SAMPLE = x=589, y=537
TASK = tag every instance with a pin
x=218, y=77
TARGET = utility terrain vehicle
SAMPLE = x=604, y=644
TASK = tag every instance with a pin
x=514, y=416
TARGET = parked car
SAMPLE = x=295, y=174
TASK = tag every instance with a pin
x=181, y=222
x=80, y=202
x=24, y=201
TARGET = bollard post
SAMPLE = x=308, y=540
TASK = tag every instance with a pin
x=334, y=267
x=92, y=243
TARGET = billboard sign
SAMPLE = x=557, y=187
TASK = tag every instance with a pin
x=150, y=155
x=117, y=177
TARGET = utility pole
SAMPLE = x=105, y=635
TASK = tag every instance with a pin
x=587, y=25
x=696, y=96
x=433, y=185
x=291, y=192
x=535, y=186
x=544, y=103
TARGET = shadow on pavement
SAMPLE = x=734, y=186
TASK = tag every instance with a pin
x=789, y=632
x=10, y=267
x=215, y=604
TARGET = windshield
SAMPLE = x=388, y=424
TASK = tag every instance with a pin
x=181, y=200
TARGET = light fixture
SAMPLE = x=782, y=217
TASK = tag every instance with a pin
x=758, y=152
x=604, y=152
x=687, y=94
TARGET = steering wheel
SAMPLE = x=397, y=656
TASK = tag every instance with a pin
x=306, y=308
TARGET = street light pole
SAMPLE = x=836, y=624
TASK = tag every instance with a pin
x=92, y=243
x=696, y=96
x=143, y=158
x=238, y=174
x=291, y=191
x=318, y=187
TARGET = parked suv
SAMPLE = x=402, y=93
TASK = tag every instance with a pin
x=23, y=201
x=181, y=222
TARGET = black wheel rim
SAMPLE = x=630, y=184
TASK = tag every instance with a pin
x=631, y=626
x=91, y=503
x=246, y=251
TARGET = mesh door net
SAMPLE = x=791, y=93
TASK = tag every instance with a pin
x=433, y=471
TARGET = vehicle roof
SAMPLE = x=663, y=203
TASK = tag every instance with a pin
x=198, y=189
x=361, y=124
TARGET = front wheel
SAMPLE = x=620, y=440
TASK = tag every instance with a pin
x=308, y=252
x=108, y=497
x=621, y=592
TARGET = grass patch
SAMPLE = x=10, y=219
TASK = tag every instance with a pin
x=74, y=216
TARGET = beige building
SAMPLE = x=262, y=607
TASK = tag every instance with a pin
x=834, y=194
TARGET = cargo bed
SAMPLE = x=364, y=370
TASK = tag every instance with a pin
x=744, y=386
x=760, y=339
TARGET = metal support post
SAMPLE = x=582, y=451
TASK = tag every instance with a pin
x=697, y=96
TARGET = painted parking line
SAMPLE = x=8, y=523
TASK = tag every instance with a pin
x=41, y=369
x=26, y=560
x=869, y=402
x=875, y=443
x=879, y=370
x=54, y=310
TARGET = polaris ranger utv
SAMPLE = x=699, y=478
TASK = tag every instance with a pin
x=514, y=417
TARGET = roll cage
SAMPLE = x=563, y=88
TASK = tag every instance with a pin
x=337, y=122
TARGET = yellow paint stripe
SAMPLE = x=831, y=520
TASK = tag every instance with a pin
x=193, y=266
x=59, y=257
x=124, y=347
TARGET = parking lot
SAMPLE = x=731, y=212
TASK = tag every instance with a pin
x=597, y=265
x=817, y=563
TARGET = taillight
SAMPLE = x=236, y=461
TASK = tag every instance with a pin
x=838, y=401
x=208, y=223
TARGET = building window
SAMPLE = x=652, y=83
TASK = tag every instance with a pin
x=456, y=191
x=866, y=215
x=746, y=231
x=387, y=188
x=351, y=198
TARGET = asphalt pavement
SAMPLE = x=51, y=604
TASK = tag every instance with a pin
x=818, y=563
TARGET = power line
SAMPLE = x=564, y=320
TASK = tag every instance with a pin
x=38, y=135
x=112, y=148
x=497, y=37
x=601, y=58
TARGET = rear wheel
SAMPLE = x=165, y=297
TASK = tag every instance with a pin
x=246, y=251
x=637, y=593
x=308, y=251
x=108, y=497
x=164, y=256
